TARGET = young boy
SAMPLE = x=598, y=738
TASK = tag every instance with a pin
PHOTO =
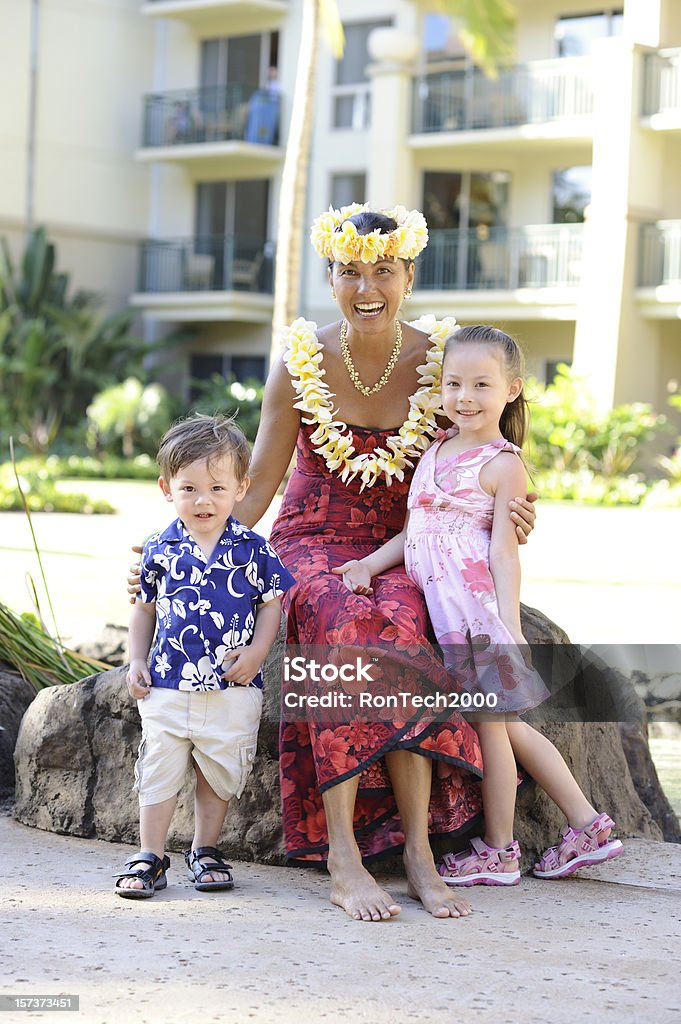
x=210, y=590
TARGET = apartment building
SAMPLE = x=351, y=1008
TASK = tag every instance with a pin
x=551, y=192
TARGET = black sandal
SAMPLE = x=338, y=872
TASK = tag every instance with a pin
x=197, y=871
x=153, y=878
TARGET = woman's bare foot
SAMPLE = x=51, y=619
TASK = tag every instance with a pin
x=356, y=892
x=426, y=885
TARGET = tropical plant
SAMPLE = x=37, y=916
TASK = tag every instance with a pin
x=56, y=351
x=131, y=414
x=487, y=29
x=571, y=435
x=38, y=657
x=243, y=400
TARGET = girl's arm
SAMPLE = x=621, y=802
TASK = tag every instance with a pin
x=505, y=476
x=358, y=572
x=274, y=445
x=140, y=635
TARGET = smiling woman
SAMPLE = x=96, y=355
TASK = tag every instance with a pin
x=358, y=786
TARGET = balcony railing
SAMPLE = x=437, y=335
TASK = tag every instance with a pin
x=454, y=101
x=539, y=256
x=212, y=114
x=660, y=254
x=207, y=263
x=662, y=82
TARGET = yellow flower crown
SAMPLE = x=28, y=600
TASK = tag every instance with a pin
x=344, y=244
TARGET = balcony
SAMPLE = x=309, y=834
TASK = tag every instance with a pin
x=518, y=273
x=209, y=277
x=659, y=269
x=220, y=17
x=661, y=104
x=205, y=125
x=542, y=100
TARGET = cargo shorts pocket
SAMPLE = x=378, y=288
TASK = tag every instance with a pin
x=247, y=751
x=141, y=750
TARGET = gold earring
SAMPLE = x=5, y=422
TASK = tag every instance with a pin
x=333, y=294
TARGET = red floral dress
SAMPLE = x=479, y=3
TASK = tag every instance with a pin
x=323, y=523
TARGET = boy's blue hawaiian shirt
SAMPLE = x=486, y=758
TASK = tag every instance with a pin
x=205, y=608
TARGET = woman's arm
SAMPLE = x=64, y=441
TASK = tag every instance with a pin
x=506, y=476
x=274, y=445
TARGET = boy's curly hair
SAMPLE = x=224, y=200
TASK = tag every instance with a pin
x=203, y=437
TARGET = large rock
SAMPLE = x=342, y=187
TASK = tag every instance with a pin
x=78, y=743
x=15, y=696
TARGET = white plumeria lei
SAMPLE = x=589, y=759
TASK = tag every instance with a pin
x=332, y=439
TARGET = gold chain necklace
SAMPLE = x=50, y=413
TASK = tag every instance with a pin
x=354, y=376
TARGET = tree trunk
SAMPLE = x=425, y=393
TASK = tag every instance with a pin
x=291, y=218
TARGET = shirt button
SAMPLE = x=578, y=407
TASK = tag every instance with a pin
x=250, y=757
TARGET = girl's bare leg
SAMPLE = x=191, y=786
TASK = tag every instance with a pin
x=352, y=887
x=411, y=776
x=546, y=766
x=499, y=784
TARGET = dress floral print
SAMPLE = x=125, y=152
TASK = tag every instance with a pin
x=206, y=607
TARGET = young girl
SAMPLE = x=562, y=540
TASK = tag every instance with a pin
x=465, y=559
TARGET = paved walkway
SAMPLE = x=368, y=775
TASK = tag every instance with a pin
x=606, y=944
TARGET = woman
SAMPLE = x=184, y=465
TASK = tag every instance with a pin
x=360, y=788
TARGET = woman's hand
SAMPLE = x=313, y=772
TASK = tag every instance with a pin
x=135, y=576
x=523, y=514
x=356, y=576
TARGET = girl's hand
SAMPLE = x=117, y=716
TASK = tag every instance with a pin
x=244, y=667
x=523, y=514
x=524, y=648
x=135, y=576
x=138, y=679
x=356, y=577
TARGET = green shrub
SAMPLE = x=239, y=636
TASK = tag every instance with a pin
x=90, y=467
x=236, y=398
x=42, y=494
x=130, y=417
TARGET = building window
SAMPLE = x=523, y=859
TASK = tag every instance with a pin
x=347, y=189
x=204, y=367
x=571, y=194
x=231, y=230
x=575, y=34
x=465, y=200
x=351, y=90
x=551, y=369
x=441, y=43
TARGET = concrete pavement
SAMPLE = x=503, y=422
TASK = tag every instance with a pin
x=605, y=943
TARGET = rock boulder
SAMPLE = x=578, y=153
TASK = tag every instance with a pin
x=78, y=743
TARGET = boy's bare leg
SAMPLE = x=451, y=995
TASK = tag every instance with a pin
x=154, y=824
x=352, y=887
x=411, y=776
x=209, y=817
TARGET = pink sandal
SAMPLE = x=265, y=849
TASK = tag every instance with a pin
x=480, y=865
x=579, y=848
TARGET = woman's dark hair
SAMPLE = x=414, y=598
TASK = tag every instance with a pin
x=515, y=419
x=367, y=221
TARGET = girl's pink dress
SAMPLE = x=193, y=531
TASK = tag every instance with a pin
x=447, y=556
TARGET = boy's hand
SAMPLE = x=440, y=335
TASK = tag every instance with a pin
x=245, y=665
x=138, y=679
x=356, y=576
